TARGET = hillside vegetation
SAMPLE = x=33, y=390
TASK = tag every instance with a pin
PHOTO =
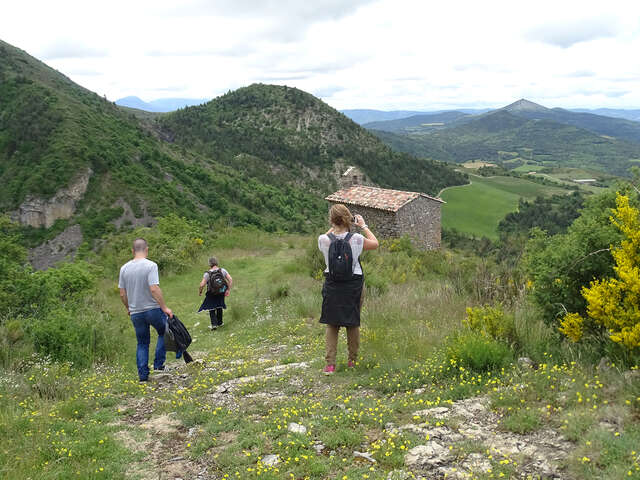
x=284, y=135
x=438, y=390
x=513, y=136
x=262, y=155
x=51, y=130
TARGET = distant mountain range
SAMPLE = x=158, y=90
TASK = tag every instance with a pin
x=612, y=112
x=518, y=134
x=160, y=105
x=369, y=116
x=360, y=116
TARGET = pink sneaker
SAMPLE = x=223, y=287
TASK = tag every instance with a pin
x=351, y=364
x=329, y=370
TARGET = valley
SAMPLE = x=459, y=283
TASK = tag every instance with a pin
x=520, y=133
x=477, y=208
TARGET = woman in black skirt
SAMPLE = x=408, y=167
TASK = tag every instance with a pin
x=342, y=300
x=214, y=300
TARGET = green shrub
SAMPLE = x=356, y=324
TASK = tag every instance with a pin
x=377, y=281
x=490, y=322
x=478, y=353
x=67, y=281
x=560, y=266
x=174, y=244
x=279, y=290
x=313, y=259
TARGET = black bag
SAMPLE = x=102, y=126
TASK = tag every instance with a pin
x=217, y=284
x=340, y=258
x=177, y=337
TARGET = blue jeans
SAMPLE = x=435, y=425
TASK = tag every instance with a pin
x=141, y=322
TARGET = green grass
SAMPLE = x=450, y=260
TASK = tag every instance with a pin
x=478, y=208
x=100, y=413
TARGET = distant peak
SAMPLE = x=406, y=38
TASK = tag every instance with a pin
x=524, y=105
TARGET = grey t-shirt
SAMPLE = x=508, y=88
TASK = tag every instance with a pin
x=136, y=276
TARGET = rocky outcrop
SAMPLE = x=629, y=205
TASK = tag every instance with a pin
x=64, y=245
x=38, y=212
x=129, y=218
x=539, y=454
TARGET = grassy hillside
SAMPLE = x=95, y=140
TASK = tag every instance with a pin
x=424, y=383
x=284, y=135
x=510, y=140
x=51, y=130
x=476, y=209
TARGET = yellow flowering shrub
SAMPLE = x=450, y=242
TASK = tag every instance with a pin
x=615, y=302
x=572, y=326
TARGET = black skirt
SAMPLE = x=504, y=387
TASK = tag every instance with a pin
x=211, y=302
x=341, y=302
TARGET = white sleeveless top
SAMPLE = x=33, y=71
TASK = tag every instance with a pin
x=356, y=242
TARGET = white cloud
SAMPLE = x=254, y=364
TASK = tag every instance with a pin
x=570, y=32
x=388, y=54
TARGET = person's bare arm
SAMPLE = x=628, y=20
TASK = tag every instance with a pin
x=125, y=299
x=229, y=281
x=202, y=284
x=329, y=231
x=370, y=240
x=156, y=293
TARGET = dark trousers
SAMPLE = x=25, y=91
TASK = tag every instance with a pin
x=216, y=317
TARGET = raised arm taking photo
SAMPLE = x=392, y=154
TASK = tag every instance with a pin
x=370, y=240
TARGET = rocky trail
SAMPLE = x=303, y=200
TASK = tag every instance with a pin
x=460, y=439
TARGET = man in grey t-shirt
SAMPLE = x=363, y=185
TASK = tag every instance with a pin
x=141, y=295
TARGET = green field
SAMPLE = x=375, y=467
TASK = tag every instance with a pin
x=478, y=208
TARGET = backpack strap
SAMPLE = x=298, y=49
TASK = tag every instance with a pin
x=332, y=237
x=348, y=237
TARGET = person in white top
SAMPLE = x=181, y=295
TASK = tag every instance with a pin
x=342, y=298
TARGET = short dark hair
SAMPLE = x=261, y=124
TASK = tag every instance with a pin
x=140, y=245
x=213, y=262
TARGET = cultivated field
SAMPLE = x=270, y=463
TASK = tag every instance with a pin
x=478, y=208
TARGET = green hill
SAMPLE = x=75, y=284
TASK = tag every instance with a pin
x=615, y=127
x=262, y=155
x=284, y=135
x=420, y=123
x=623, y=129
x=510, y=140
x=52, y=130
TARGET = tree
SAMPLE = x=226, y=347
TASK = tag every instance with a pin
x=559, y=266
x=614, y=302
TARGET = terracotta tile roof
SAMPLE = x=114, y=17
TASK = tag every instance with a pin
x=374, y=197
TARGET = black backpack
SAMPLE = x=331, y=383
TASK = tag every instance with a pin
x=217, y=284
x=177, y=337
x=340, y=258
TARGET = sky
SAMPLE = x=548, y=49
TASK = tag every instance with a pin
x=379, y=54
